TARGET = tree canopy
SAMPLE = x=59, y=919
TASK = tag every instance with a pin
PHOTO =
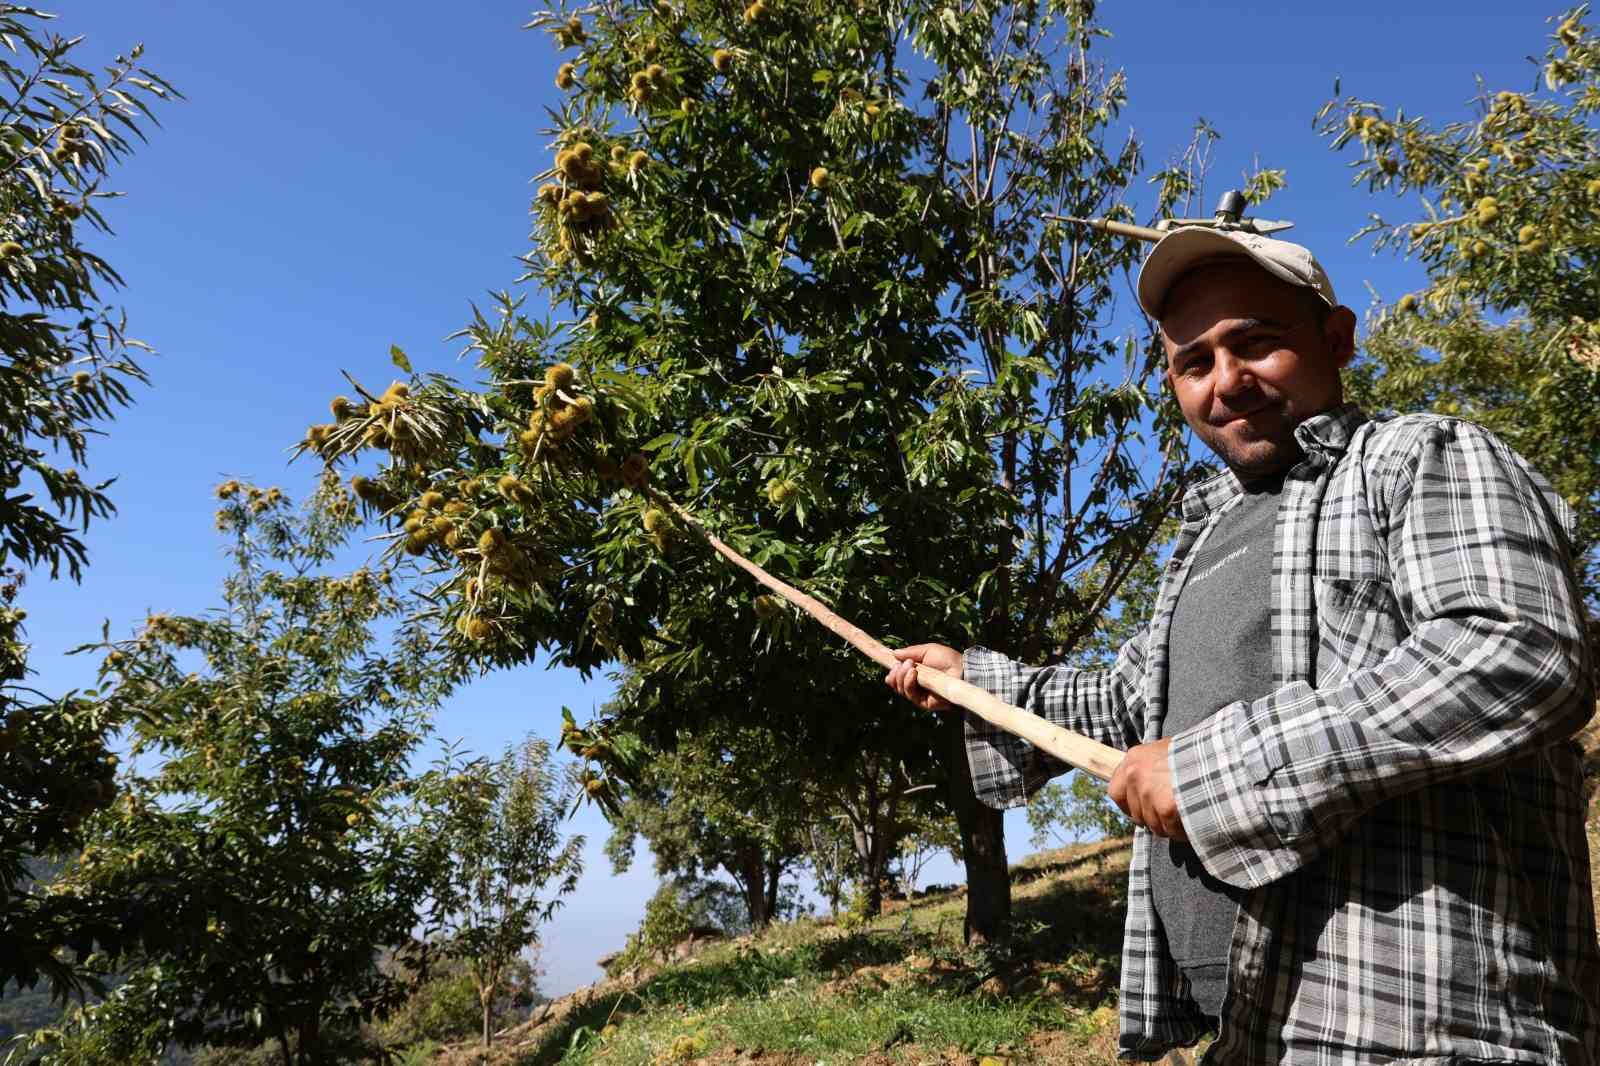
x=1505, y=217
x=271, y=841
x=66, y=365
x=812, y=295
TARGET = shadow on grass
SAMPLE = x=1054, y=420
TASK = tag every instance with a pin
x=869, y=947
x=1075, y=932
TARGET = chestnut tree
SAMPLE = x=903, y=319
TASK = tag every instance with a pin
x=1503, y=211
x=66, y=365
x=269, y=841
x=804, y=284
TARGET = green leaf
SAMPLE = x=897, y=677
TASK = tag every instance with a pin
x=854, y=224
x=398, y=358
x=655, y=444
x=690, y=473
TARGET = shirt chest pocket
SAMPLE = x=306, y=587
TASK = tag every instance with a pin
x=1358, y=624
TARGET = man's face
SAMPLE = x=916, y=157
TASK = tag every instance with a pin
x=1248, y=362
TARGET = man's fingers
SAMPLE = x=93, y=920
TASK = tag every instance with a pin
x=1136, y=808
x=1117, y=787
x=1171, y=822
x=937, y=656
x=896, y=679
x=908, y=682
x=1139, y=786
x=902, y=677
x=1159, y=823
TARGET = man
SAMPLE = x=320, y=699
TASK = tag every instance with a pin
x=1360, y=826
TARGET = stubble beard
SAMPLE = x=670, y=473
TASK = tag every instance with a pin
x=1252, y=456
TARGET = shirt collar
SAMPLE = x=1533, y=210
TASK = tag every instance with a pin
x=1322, y=435
x=1332, y=430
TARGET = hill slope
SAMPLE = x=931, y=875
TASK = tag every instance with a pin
x=900, y=989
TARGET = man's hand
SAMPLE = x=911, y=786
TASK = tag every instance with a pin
x=903, y=678
x=1142, y=787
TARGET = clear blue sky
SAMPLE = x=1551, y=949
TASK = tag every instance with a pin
x=344, y=176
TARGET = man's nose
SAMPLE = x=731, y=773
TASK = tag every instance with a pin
x=1233, y=376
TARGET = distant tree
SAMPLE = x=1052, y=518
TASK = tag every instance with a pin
x=829, y=856
x=742, y=800
x=1065, y=811
x=65, y=365
x=712, y=903
x=868, y=795
x=509, y=864
x=723, y=802
x=1505, y=217
x=446, y=1007
x=270, y=837
x=925, y=838
x=681, y=909
x=668, y=918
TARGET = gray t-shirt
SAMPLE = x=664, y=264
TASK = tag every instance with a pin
x=1219, y=652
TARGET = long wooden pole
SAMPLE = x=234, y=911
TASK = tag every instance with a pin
x=1090, y=756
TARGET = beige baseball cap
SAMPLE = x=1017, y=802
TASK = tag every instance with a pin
x=1189, y=246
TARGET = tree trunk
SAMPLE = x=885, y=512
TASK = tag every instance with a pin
x=873, y=834
x=486, y=992
x=774, y=875
x=983, y=843
x=828, y=868
x=752, y=877
x=868, y=847
x=872, y=884
x=310, y=1041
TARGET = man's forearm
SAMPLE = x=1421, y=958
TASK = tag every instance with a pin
x=1106, y=705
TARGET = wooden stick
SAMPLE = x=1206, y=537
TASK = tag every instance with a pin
x=1090, y=756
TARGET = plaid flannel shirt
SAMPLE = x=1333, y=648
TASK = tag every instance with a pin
x=1405, y=809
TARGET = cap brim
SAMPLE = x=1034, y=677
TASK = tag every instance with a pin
x=1182, y=250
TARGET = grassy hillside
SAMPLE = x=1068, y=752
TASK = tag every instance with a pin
x=900, y=989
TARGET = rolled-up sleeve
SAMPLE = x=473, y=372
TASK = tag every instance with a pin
x=1493, y=666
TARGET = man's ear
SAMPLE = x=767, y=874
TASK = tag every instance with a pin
x=1339, y=331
